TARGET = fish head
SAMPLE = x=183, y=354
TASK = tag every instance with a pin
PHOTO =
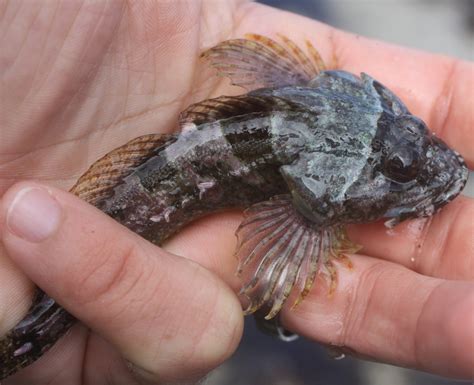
x=417, y=171
x=423, y=172
x=410, y=173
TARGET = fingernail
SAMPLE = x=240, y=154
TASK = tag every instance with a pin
x=34, y=214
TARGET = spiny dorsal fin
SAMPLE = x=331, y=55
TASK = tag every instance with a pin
x=259, y=61
x=224, y=107
x=99, y=180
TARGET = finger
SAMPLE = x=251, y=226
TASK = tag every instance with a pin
x=166, y=314
x=384, y=311
x=374, y=310
x=211, y=242
x=435, y=87
x=441, y=246
x=14, y=293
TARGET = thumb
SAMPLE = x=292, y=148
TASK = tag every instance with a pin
x=165, y=314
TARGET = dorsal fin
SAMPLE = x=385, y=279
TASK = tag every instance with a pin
x=99, y=180
x=258, y=61
x=224, y=107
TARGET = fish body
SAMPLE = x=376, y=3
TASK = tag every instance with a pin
x=330, y=145
x=306, y=151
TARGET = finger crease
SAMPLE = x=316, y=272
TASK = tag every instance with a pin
x=417, y=344
x=444, y=100
x=446, y=235
x=353, y=317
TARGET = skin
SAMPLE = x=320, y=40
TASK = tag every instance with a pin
x=79, y=79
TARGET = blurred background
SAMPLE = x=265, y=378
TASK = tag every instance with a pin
x=442, y=26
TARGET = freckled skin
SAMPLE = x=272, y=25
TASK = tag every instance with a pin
x=344, y=147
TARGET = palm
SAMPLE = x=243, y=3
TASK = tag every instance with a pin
x=89, y=77
x=103, y=74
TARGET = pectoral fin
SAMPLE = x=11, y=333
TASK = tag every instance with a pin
x=279, y=250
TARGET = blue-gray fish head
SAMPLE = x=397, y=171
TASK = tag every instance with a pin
x=404, y=171
x=411, y=173
x=423, y=173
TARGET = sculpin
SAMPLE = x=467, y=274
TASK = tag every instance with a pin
x=305, y=151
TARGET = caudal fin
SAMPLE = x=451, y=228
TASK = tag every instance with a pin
x=46, y=321
x=42, y=326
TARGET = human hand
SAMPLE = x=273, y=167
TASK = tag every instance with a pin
x=78, y=79
x=139, y=73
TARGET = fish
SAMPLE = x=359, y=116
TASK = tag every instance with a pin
x=304, y=152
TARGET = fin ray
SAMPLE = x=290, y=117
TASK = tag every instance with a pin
x=258, y=61
x=225, y=107
x=97, y=182
x=300, y=55
x=280, y=250
x=267, y=241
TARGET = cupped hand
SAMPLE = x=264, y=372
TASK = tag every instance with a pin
x=80, y=78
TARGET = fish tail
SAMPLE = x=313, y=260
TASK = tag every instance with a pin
x=45, y=322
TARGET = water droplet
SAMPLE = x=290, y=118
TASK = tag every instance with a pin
x=205, y=186
x=188, y=126
x=25, y=348
x=335, y=352
x=168, y=211
x=155, y=218
x=390, y=232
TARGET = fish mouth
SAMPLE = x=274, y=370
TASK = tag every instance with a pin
x=444, y=175
x=458, y=173
x=457, y=181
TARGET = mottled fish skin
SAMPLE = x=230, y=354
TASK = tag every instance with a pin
x=340, y=148
x=220, y=165
x=388, y=163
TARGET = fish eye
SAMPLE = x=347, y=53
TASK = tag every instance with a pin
x=401, y=166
